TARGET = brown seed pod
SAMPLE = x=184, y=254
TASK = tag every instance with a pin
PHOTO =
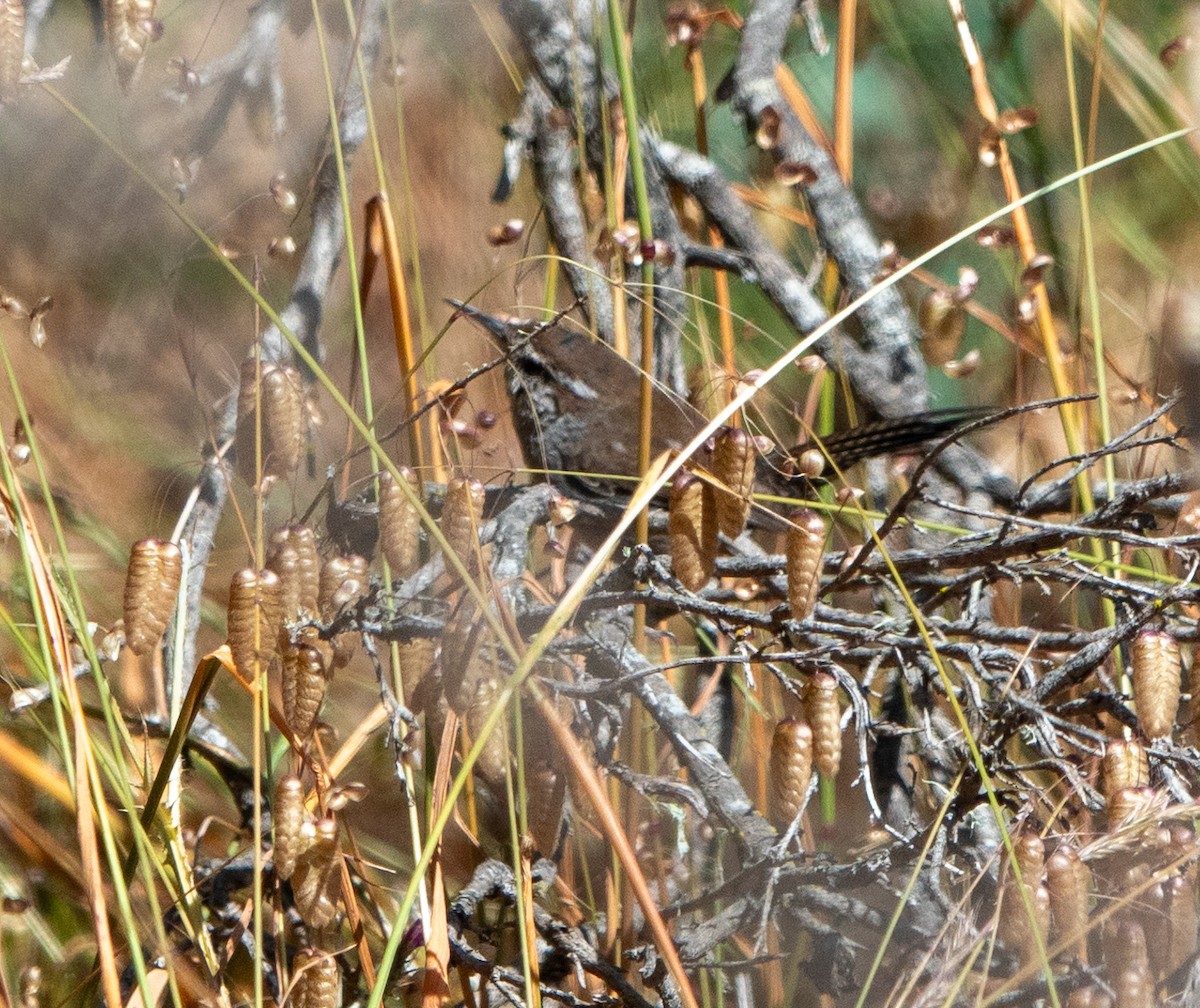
x=464, y=666
x=399, y=524
x=254, y=620
x=1179, y=908
x=460, y=518
x=344, y=580
x=1088, y=997
x=416, y=663
x=303, y=680
x=288, y=817
x=151, y=585
x=1129, y=803
x=791, y=769
x=733, y=465
x=1030, y=855
x=1124, y=943
x=1125, y=765
x=293, y=556
x=1157, y=680
x=805, y=551
x=1133, y=988
x=1070, y=883
x=317, y=980
x=492, y=764
x=692, y=531
x=824, y=714
x=130, y=26
x=317, y=879
x=546, y=789
x=1014, y=928
x=281, y=394
x=943, y=321
x=12, y=46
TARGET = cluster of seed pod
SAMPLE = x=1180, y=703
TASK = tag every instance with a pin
x=130, y=26
x=804, y=552
x=303, y=676
x=293, y=557
x=692, y=530
x=12, y=46
x=275, y=393
x=399, y=523
x=344, y=580
x=791, y=769
x=734, y=457
x=317, y=875
x=317, y=980
x=254, y=620
x=1125, y=780
x=1157, y=681
x=461, y=516
x=151, y=585
x=1024, y=921
x=824, y=715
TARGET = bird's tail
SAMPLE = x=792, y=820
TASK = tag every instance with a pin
x=881, y=436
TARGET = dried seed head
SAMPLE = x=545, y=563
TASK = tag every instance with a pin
x=805, y=551
x=343, y=581
x=1125, y=766
x=30, y=987
x=280, y=393
x=791, y=769
x=492, y=764
x=943, y=321
x=12, y=46
x=825, y=716
x=461, y=516
x=303, y=674
x=130, y=26
x=317, y=980
x=317, y=879
x=1134, y=988
x=151, y=584
x=463, y=665
x=1179, y=908
x=293, y=557
x=733, y=465
x=810, y=463
x=1129, y=803
x=1014, y=927
x=399, y=523
x=254, y=620
x=1124, y=944
x=1030, y=853
x=1070, y=883
x=546, y=788
x=416, y=664
x=288, y=817
x=1157, y=680
x=692, y=531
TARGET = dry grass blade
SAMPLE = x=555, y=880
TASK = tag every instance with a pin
x=12, y=46
x=46, y=600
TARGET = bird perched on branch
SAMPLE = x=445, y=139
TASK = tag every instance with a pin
x=576, y=407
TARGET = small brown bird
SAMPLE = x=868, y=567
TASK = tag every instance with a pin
x=576, y=406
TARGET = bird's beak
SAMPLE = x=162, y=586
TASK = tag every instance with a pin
x=500, y=331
